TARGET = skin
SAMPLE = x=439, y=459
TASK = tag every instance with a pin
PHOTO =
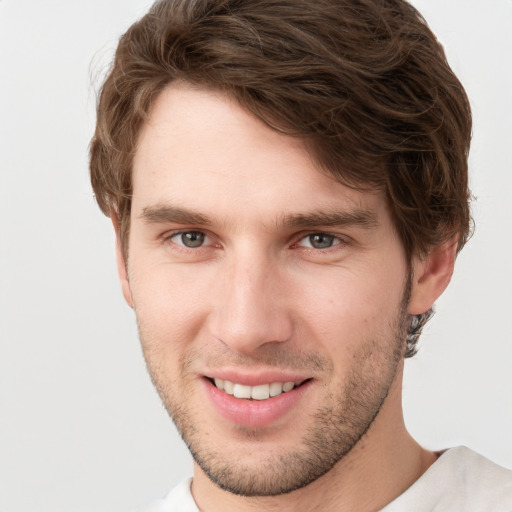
x=290, y=272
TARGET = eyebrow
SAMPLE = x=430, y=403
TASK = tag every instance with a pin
x=356, y=217
x=164, y=213
x=160, y=214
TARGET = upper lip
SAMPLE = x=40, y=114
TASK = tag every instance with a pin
x=255, y=378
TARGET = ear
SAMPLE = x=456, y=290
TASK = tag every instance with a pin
x=121, y=264
x=431, y=276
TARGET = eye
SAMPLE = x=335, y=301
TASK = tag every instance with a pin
x=190, y=239
x=319, y=241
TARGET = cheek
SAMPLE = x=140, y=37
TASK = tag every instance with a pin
x=343, y=308
x=334, y=307
x=170, y=304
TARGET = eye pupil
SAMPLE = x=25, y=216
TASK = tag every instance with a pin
x=321, y=241
x=192, y=239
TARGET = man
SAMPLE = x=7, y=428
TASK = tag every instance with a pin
x=288, y=184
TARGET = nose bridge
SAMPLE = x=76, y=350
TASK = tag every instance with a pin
x=252, y=310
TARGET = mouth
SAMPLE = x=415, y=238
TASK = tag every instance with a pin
x=256, y=400
x=259, y=392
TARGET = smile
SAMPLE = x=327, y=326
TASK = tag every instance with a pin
x=256, y=401
x=260, y=392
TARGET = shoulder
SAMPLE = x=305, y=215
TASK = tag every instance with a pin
x=478, y=478
x=178, y=500
x=460, y=479
x=479, y=471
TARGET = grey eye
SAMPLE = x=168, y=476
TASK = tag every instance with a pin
x=192, y=239
x=321, y=241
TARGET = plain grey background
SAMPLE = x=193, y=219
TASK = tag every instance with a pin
x=81, y=429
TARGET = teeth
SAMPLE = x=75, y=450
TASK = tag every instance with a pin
x=241, y=391
x=228, y=387
x=288, y=386
x=276, y=388
x=261, y=392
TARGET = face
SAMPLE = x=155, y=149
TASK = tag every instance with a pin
x=271, y=300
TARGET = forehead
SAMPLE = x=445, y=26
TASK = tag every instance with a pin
x=200, y=149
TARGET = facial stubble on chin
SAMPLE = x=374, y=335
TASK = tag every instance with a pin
x=337, y=425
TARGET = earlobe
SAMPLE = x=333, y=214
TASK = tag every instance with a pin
x=431, y=276
x=121, y=264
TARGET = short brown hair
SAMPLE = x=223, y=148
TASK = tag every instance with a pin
x=364, y=82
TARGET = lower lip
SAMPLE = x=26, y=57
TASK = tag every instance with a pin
x=254, y=413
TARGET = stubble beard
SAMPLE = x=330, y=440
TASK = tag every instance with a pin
x=337, y=425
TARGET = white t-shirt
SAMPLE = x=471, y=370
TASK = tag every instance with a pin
x=459, y=481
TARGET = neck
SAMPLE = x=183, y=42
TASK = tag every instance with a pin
x=382, y=465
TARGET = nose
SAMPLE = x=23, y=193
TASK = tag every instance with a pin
x=252, y=308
